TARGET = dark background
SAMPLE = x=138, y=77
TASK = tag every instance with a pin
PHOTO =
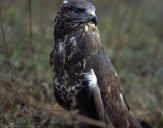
x=132, y=36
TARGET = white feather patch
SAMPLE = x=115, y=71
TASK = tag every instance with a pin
x=91, y=78
x=116, y=75
x=92, y=25
x=86, y=28
x=72, y=39
x=65, y=1
x=122, y=99
x=60, y=47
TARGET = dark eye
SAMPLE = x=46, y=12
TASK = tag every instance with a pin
x=78, y=10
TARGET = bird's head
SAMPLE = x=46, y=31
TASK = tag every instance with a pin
x=78, y=11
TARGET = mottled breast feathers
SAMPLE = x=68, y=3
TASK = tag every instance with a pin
x=69, y=56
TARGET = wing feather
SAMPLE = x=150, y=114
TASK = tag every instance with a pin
x=108, y=82
x=95, y=92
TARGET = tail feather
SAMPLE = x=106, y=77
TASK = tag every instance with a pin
x=136, y=123
x=144, y=124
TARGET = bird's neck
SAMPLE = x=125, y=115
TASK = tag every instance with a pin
x=64, y=29
x=85, y=35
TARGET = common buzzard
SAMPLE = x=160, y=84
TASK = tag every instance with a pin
x=84, y=77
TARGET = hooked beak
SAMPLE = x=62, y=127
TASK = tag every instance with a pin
x=93, y=17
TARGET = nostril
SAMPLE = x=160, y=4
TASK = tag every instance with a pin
x=91, y=15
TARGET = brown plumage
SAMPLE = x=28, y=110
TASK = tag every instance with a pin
x=84, y=77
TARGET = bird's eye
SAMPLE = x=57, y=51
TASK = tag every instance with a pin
x=78, y=10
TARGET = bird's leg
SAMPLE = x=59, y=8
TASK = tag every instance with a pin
x=133, y=121
x=98, y=102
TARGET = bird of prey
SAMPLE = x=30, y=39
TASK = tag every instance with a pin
x=84, y=77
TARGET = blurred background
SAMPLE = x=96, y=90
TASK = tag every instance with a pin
x=132, y=36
